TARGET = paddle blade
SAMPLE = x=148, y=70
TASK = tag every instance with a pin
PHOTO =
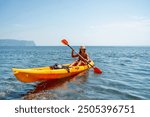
x=64, y=41
x=97, y=70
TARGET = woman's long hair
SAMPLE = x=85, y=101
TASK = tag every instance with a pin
x=80, y=51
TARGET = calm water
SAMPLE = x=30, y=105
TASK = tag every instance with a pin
x=126, y=73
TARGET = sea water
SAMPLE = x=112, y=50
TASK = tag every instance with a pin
x=126, y=74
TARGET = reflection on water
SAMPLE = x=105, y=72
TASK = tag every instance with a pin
x=41, y=89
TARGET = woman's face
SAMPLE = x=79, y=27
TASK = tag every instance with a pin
x=83, y=50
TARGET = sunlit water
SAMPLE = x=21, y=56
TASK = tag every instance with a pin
x=126, y=73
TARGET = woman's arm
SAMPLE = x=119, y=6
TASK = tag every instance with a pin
x=88, y=58
x=74, y=55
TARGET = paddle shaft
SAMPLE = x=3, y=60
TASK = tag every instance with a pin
x=80, y=55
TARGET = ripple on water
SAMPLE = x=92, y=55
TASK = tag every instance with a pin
x=125, y=75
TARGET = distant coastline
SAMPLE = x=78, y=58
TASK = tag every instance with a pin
x=15, y=42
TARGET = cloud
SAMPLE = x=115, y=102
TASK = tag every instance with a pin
x=135, y=31
x=137, y=17
x=138, y=24
x=129, y=24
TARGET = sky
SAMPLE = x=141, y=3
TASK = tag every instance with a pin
x=81, y=22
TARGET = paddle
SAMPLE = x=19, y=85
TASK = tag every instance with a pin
x=96, y=69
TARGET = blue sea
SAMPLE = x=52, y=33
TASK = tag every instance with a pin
x=126, y=74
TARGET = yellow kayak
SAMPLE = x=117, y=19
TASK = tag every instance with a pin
x=48, y=73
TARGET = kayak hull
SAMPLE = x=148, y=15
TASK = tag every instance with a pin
x=47, y=73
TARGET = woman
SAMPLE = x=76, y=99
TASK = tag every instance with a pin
x=82, y=60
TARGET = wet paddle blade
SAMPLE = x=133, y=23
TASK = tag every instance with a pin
x=64, y=41
x=97, y=70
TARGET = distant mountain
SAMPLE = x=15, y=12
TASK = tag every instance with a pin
x=13, y=42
